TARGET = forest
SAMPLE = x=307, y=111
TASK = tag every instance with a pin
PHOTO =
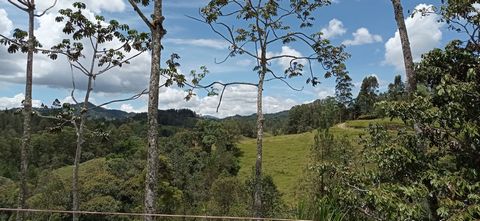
x=408, y=150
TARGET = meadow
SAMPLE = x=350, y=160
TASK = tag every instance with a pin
x=285, y=157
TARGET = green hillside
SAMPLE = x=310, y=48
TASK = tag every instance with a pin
x=285, y=157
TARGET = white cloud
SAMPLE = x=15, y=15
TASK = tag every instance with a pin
x=5, y=23
x=363, y=36
x=335, y=28
x=239, y=99
x=284, y=62
x=424, y=34
x=476, y=7
x=130, y=78
x=15, y=102
x=209, y=43
x=96, y=6
x=323, y=92
x=129, y=109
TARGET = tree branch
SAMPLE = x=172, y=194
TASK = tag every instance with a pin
x=45, y=11
x=140, y=13
x=134, y=97
x=18, y=6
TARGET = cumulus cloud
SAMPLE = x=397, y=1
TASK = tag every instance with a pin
x=209, y=43
x=324, y=92
x=335, y=28
x=424, y=33
x=5, y=23
x=15, y=102
x=284, y=62
x=57, y=74
x=130, y=109
x=363, y=36
x=240, y=99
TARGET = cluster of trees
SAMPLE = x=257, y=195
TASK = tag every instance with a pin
x=427, y=171
x=327, y=111
x=199, y=164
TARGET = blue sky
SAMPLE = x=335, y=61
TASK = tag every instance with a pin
x=366, y=27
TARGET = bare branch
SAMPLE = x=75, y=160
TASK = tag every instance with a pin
x=18, y=6
x=230, y=39
x=140, y=13
x=45, y=11
x=134, y=97
x=221, y=98
x=282, y=79
x=120, y=63
x=51, y=117
x=72, y=93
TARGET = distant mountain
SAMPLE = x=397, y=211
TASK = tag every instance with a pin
x=279, y=116
x=210, y=117
x=104, y=113
x=165, y=116
x=94, y=112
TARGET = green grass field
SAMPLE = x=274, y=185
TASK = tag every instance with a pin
x=285, y=157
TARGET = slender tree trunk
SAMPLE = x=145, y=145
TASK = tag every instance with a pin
x=78, y=152
x=152, y=159
x=27, y=115
x=80, y=129
x=257, y=199
x=407, y=53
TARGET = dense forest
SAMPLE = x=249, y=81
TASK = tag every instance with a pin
x=410, y=151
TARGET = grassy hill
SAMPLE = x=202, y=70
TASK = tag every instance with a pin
x=285, y=157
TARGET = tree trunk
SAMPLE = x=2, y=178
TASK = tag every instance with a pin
x=152, y=159
x=257, y=199
x=78, y=152
x=27, y=114
x=407, y=53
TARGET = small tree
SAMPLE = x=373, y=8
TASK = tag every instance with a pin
x=97, y=33
x=27, y=46
x=263, y=25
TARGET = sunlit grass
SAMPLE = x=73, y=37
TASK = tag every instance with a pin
x=285, y=157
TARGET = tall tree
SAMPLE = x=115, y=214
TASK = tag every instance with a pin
x=172, y=75
x=343, y=91
x=98, y=33
x=29, y=7
x=157, y=32
x=367, y=95
x=396, y=90
x=407, y=52
x=259, y=26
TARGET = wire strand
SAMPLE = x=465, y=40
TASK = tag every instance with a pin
x=144, y=214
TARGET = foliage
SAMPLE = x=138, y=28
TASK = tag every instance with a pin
x=432, y=173
x=367, y=96
x=286, y=157
x=198, y=158
x=319, y=114
x=228, y=197
x=320, y=210
x=272, y=203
